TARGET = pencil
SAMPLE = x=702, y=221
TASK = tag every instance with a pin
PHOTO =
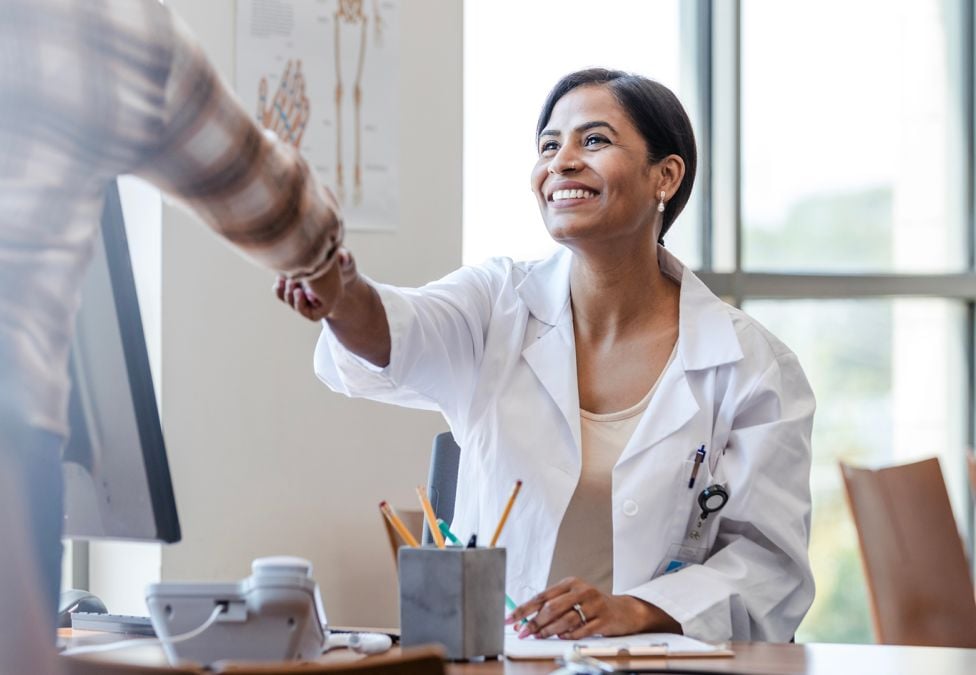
x=508, y=509
x=398, y=525
x=435, y=531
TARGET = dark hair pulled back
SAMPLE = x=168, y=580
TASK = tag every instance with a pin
x=656, y=113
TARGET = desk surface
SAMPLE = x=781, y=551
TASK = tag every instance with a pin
x=776, y=659
x=759, y=658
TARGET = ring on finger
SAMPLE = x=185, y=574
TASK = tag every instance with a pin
x=579, y=610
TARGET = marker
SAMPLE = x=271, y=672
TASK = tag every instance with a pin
x=699, y=457
x=431, y=518
x=446, y=531
x=398, y=525
x=508, y=509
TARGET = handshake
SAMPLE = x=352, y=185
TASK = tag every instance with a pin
x=286, y=114
x=318, y=298
x=353, y=307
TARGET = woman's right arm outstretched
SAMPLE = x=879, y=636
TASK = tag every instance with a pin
x=349, y=304
x=414, y=347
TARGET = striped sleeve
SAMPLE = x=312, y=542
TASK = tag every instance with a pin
x=252, y=189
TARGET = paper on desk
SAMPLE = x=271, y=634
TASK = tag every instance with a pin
x=644, y=644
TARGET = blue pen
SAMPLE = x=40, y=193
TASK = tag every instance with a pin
x=699, y=458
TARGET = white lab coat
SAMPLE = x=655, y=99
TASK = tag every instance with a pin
x=492, y=348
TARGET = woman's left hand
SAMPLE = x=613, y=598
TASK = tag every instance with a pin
x=573, y=609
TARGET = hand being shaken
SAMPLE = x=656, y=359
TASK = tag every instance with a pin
x=287, y=113
x=316, y=298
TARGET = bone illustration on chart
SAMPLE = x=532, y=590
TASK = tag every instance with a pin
x=351, y=14
x=287, y=112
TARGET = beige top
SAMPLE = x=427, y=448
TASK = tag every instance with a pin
x=584, y=546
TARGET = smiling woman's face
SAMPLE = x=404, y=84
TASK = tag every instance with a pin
x=593, y=179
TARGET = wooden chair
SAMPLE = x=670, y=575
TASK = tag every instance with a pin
x=918, y=578
x=413, y=519
x=971, y=461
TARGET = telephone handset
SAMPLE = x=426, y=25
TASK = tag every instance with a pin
x=284, y=564
x=276, y=614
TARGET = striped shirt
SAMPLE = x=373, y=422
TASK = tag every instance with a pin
x=90, y=89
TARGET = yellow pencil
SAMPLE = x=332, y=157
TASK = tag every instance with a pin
x=432, y=525
x=398, y=525
x=508, y=509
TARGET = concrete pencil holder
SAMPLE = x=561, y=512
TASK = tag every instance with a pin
x=454, y=597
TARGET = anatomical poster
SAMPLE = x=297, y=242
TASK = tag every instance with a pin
x=323, y=74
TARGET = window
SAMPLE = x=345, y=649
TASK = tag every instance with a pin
x=854, y=183
x=850, y=154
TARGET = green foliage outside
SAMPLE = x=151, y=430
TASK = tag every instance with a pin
x=836, y=232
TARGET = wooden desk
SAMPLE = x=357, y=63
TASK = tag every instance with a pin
x=750, y=657
x=776, y=659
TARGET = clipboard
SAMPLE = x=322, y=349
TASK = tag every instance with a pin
x=652, y=652
x=645, y=645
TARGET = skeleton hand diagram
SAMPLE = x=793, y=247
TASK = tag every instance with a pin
x=287, y=113
x=350, y=13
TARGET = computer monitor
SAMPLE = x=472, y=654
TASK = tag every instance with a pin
x=117, y=481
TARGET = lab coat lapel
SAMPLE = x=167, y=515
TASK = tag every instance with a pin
x=706, y=339
x=553, y=360
x=552, y=354
x=671, y=407
x=706, y=335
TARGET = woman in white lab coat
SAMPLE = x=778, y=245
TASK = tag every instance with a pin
x=628, y=397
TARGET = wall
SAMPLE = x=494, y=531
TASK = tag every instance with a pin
x=265, y=460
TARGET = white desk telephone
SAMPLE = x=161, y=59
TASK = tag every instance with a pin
x=276, y=614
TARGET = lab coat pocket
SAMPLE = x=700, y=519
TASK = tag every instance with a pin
x=688, y=534
x=679, y=556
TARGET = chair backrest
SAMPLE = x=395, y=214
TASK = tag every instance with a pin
x=441, y=490
x=918, y=578
x=442, y=480
x=971, y=461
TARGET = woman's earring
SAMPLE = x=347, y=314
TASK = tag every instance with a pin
x=660, y=204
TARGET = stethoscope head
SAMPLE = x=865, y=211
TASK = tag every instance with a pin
x=712, y=499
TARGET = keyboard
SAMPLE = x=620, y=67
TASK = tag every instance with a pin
x=112, y=623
